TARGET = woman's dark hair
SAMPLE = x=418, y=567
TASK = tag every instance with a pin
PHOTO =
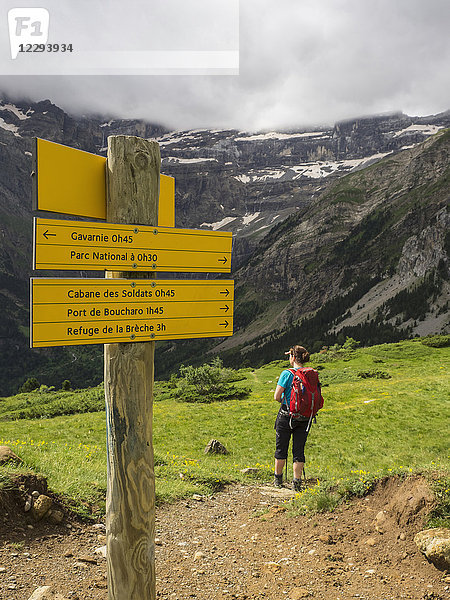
x=301, y=354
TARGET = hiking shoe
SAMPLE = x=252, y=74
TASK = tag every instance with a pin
x=297, y=485
x=278, y=481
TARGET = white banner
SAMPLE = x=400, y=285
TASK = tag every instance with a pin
x=109, y=37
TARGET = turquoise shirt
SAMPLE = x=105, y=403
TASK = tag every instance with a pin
x=285, y=381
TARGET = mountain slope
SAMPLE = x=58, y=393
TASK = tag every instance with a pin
x=370, y=254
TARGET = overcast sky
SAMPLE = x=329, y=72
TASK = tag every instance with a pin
x=302, y=63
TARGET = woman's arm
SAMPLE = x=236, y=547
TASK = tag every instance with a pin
x=278, y=393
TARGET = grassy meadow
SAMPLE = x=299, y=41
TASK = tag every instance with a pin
x=386, y=411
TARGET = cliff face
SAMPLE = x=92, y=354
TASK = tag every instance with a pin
x=286, y=196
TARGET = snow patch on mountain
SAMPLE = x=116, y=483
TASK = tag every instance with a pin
x=243, y=178
x=416, y=128
x=310, y=170
x=174, y=138
x=262, y=228
x=9, y=127
x=273, y=135
x=176, y=159
x=16, y=111
x=219, y=224
x=181, y=137
x=249, y=218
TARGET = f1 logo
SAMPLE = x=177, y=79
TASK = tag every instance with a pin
x=27, y=26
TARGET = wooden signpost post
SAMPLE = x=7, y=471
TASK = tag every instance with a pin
x=129, y=306
x=132, y=197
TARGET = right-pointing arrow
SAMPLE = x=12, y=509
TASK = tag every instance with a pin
x=224, y=324
x=226, y=308
x=223, y=260
x=226, y=292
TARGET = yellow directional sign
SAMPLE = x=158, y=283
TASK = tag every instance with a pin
x=68, y=312
x=81, y=245
x=73, y=182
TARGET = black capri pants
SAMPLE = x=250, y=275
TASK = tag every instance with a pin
x=285, y=427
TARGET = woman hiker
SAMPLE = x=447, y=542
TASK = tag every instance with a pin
x=286, y=427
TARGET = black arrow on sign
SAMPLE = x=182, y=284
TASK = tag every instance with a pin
x=224, y=324
x=226, y=308
x=223, y=260
x=46, y=234
x=226, y=292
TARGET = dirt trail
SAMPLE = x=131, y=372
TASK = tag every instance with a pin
x=242, y=544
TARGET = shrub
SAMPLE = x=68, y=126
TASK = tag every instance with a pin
x=350, y=344
x=45, y=389
x=30, y=385
x=208, y=378
x=374, y=374
x=205, y=379
x=437, y=341
x=66, y=385
x=172, y=381
x=227, y=392
x=207, y=383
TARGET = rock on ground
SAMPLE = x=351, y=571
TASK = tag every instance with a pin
x=215, y=447
x=7, y=455
x=41, y=506
x=45, y=592
x=435, y=544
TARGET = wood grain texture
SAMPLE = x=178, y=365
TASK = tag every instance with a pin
x=132, y=197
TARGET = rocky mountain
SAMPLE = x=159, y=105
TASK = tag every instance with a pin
x=248, y=183
x=368, y=258
x=262, y=186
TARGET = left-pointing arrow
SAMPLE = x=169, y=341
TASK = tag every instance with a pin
x=46, y=234
x=224, y=324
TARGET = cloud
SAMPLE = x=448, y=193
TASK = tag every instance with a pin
x=302, y=62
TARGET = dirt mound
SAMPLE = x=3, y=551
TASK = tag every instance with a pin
x=242, y=544
x=409, y=501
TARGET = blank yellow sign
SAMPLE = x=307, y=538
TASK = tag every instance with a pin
x=73, y=182
x=69, y=312
x=83, y=245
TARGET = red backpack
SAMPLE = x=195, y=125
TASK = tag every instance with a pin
x=306, y=397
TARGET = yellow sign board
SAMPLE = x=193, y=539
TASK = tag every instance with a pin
x=73, y=182
x=68, y=312
x=85, y=246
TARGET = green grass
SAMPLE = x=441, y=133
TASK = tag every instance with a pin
x=46, y=403
x=369, y=425
x=349, y=194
